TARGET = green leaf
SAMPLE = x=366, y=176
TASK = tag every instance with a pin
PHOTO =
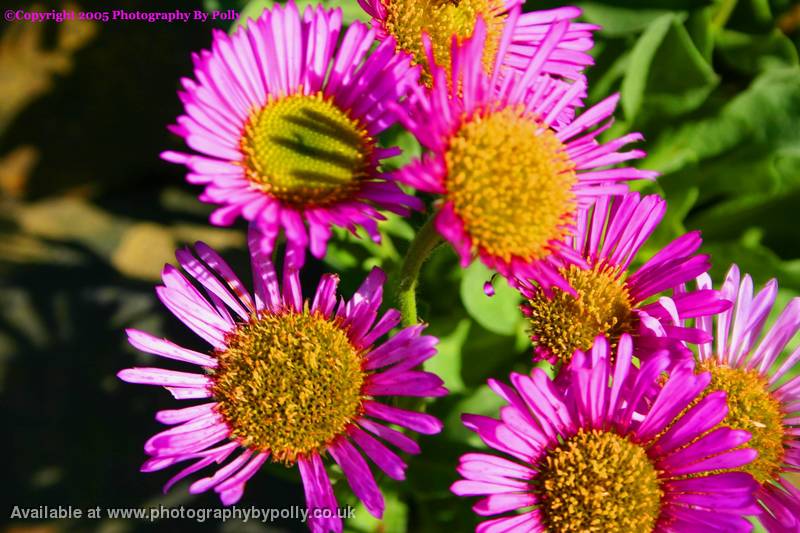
x=404, y=140
x=764, y=118
x=666, y=73
x=341, y=256
x=754, y=258
x=766, y=213
x=617, y=20
x=394, y=517
x=680, y=202
x=251, y=11
x=699, y=25
x=499, y=313
x=447, y=362
x=751, y=16
x=479, y=400
x=750, y=54
x=614, y=60
x=635, y=82
x=486, y=355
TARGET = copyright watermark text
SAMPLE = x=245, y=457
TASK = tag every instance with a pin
x=120, y=15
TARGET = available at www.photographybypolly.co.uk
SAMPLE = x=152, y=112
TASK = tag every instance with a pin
x=389, y=266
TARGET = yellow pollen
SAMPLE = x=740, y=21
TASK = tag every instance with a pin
x=305, y=151
x=406, y=20
x=510, y=181
x=288, y=383
x=753, y=408
x=599, y=481
x=563, y=323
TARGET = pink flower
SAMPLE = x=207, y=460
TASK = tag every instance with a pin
x=609, y=299
x=744, y=359
x=406, y=21
x=587, y=459
x=283, y=127
x=287, y=380
x=509, y=159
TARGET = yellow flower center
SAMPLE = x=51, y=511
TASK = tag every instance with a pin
x=753, y=408
x=599, y=481
x=563, y=323
x=304, y=150
x=406, y=20
x=510, y=181
x=288, y=383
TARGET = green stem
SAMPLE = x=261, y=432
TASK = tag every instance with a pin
x=426, y=239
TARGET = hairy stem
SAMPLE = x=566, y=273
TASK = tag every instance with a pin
x=424, y=242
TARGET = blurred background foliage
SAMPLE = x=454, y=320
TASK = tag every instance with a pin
x=89, y=215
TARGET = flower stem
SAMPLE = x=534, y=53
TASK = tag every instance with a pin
x=426, y=239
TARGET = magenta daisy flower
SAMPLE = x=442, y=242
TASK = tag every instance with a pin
x=287, y=380
x=743, y=361
x=406, y=21
x=510, y=163
x=608, y=299
x=284, y=126
x=585, y=459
